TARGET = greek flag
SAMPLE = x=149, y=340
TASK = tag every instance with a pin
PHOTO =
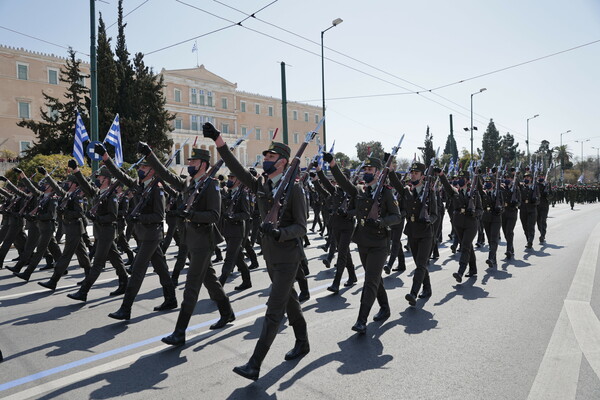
x=580, y=180
x=451, y=166
x=332, y=147
x=81, y=136
x=114, y=138
x=195, y=47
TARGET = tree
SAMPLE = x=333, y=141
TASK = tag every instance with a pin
x=343, y=159
x=363, y=149
x=491, y=146
x=55, y=133
x=451, y=147
x=508, y=149
x=108, y=81
x=563, y=157
x=427, y=152
x=544, y=154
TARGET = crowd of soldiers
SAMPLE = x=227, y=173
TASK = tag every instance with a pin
x=371, y=207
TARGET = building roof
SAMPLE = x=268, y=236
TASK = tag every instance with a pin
x=200, y=73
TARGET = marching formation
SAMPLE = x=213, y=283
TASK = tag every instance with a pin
x=372, y=207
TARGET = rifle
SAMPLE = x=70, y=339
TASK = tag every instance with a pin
x=234, y=199
x=375, y=208
x=471, y=204
x=534, y=177
x=22, y=210
x=513, y=198
x=424, y=214
x=200, y=186
x=353, y=179
x=497, y=188
x=286, y=184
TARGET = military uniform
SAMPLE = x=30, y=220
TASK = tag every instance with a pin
x=530, y=198
x=512, y=201
x=420, y=232
x=15, y=221
x=546, y=196
x=282, y=255
x=373, y=240
x=492, y=202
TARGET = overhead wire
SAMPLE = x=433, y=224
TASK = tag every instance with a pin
x=42, y=40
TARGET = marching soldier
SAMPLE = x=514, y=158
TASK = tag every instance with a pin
x=282, y=248
x=530, y=198
x=546, y=196
x=72, y=212
x=512, y=201
x=148, y=218
x=199, y=235
x=105, y=228
x=372, y=236
x=396, y=251
x=419, y=227
x=466, y=205
x=493, y=207
x=14, y=233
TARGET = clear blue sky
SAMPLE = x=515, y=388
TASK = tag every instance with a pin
x=429, y=43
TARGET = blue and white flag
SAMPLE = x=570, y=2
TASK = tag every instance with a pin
x=332, y=147
x=580, y=180
x=114, y=138
x=81, y=136
x=451, y=166
x=195, y=47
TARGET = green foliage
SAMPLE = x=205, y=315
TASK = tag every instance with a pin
x=342, y=159
x=509, y=150
x=451, y=147
x=107, y=80
x=427, y=151
x=363, y=149
x=59, y=161
x=491, y=146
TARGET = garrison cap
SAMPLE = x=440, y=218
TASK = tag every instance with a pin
x=103, y=171
x=373, y=162
x=200, y=154
x=279, y=148
x=417, y=166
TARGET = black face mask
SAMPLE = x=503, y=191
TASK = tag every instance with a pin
x=66, y=186
x=526, y=181
x=488, y=185
x=368, y=177
x=192, y=170
x=541, y=180
x=229, y=184
x=141, y=174
x=97, y=183
x=507, y=182
x=415, y=183
x=461, y=182
x=269, y=166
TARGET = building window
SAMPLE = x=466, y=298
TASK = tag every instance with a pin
x=295, y=115
x=224, y=128
x=177, y=95
x=296, y=136
x=257, y=108
x=201, y=97
x=194, y=122
x=270, y=111
x=271, y=133
x=210, y=99
x=53, y=76
x=316, y=118
x=244, y=131
x=224, y=103
x=23, y=109
x=22, y=71
x=24, y=146
x=194, y=96
x=178, y=124
x=52, y=113
x=209, y=119
x=81, y=80
x=257, y=130
x=243, y=106
x=305, y=117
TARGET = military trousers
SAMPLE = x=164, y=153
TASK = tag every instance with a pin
x=46, y=242
x=528, y=220
x=15, y=228
x=234, y=257
x=542, y=219
x=105, y=249
x=492, y=231
x=420, y=249
x=343, y=238
x=73, y=245
x=396, y=251
x=373, y=260
x=466, y=228
x=33, y=238
x=509, y=221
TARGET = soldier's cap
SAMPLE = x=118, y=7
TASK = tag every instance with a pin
x=417, y=166
x=231, y=174
x=488, y=179
x=373, y=162
x=528, y=173
x=279, y=148
x=464, y=174
x=200, y=154
x=346, y=172
x=103, y=171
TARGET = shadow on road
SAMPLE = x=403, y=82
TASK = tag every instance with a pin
x=498, y=274
x=466, y=290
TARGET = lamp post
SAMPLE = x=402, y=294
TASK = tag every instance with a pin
x=334, y=23
x=582, y=167
x=528, y=153
x=473, y=94
x=562, y=158
x=597, y=161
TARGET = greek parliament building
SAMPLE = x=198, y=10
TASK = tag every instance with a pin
x=194, y=95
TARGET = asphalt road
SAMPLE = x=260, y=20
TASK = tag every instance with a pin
x=528, y=330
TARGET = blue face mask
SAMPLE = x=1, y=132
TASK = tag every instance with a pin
x=455, y=182
x=192, y=170
x=488, y=185
x=368, y=177
x=461, y=182
x=415, y=183
x=507, y=182
x=141, y=174
x=269, y=166
x=97, y=183
x=229, y=184
x=526, y=181
x=541, y=180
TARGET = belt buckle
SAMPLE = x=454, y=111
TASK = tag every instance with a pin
x=526, y=201
x=362, y=222
x=412, y=218
x=462, y=210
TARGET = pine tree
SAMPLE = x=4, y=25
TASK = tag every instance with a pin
x=491, y=145
x=451, y=147
x=508, y=150
x=108, y=81
x=55, y=133
x=363, y=149
x=427, y=151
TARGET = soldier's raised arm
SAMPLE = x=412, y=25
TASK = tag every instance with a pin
x=160, y=170
x=339, y=176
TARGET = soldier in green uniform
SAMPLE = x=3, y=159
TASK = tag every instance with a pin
x=419, y=227
x=281, y=246
x=371, y=235
x=546, y=196
x=466, y=205
x=530, y=198
x=492, y=202
x=105, y=228
x=512, y=200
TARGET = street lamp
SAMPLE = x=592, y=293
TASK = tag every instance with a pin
x=582, y=142
x=473, y=94
x=528, y=153
x=562, y=158
x=335, y=22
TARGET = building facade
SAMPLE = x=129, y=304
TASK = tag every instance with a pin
x=194, y=95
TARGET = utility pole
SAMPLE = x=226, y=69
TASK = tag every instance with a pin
x=94, y=79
